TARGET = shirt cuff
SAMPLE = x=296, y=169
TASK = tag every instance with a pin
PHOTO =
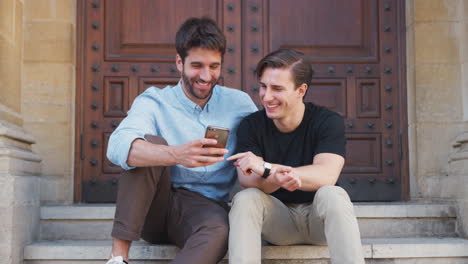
x=119, y=150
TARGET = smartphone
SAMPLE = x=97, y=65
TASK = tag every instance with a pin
x=221, y=134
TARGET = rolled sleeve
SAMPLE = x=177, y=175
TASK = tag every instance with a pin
x=119, y=147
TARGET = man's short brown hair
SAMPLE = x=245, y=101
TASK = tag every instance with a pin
x=301, y=71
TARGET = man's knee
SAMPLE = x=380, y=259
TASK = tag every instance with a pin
x=332, y=199
x=246, y=205
x=155, y=139
x=248, y=196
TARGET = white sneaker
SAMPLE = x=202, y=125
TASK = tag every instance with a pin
x=117, y=260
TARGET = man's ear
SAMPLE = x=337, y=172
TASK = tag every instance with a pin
x=179, y=63
x=302, y=89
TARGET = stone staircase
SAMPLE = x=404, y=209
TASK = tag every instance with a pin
x=397, y=233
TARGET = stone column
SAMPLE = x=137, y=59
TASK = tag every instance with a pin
x=19, y=191
x=437, y=48
x=458, y=167
x=48, y=91
x=458, y=161
x=435, y=94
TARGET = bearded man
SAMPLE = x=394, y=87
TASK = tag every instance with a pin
x=173, y=189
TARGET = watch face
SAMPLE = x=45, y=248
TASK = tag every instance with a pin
x=267, y=165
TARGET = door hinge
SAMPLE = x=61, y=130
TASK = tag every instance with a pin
x=82, y=156
x=400, y=143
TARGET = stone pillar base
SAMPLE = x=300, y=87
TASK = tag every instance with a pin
x=19, y=192
x=458, y=166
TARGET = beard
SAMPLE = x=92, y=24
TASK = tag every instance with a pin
x=189, y=87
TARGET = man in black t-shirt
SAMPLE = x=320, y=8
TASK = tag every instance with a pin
x=289, y=157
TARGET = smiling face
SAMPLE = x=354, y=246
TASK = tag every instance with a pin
x=200, y=73
x=281, y=99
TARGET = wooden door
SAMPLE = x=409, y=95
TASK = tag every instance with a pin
x=355, y=48
x=357, y=53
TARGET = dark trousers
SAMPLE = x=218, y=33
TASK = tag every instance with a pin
x=149, y=208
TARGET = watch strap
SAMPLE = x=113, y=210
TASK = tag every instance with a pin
x=266, y=172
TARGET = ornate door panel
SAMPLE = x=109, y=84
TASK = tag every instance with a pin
x=356, y=53
x=354, y=47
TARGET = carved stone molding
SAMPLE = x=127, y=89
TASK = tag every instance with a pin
x=16, y=156
x=460, y=149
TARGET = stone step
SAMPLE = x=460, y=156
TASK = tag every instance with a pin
x=376, y=220
x=389, y=250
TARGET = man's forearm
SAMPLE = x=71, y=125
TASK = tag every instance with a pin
x=253, y=180
x=325, y=170
x=315, y=176
x=146, y=154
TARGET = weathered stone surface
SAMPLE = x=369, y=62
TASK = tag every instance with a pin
x=409, y=13
x=441, y=49
x=10, y=73
x=465, y=81
x=47, y=83
x=459, y=167
x=66, y=10
x=413, y=160
x=48, y=91
x=436, y=10
x=373, y=249
x=55, y=149
x=404, y=228
x=48, y=115
x=439, y=187
x=10, y=115
x=411, y=90
x=49, y=41
x=6, y=192
x=433, y=147
x=7, y=18
x=56, y=189
x=362, y=210
x=375, y=220
x=76, y=230
x=438, y=89
x=463, y=217
x=39, y=9
x=19, y=212
x=419, y=247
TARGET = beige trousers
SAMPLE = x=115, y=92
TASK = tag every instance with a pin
x=329, y=219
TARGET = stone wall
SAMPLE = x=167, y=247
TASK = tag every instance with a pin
x=48, y=91
x=19, y=166
x=11, y=39
x=435, y=87
x=437, y=47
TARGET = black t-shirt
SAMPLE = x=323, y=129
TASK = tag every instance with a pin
x=321, y=131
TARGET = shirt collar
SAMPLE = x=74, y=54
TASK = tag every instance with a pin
x=189, y=104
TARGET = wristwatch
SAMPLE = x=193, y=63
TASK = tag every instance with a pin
x=266, y=172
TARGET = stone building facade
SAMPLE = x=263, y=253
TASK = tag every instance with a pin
x=37, y=99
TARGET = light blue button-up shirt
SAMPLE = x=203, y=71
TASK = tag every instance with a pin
x=169, y=113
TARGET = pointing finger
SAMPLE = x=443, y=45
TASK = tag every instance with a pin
x=236, y=156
